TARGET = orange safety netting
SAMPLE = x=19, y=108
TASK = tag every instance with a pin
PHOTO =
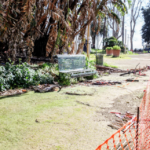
x=144, y=124
x=123, y=139
x=133, y=135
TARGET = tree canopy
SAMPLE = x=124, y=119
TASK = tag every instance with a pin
x=146, y=26
x=27, y=25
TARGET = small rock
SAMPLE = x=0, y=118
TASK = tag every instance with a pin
x=37, y=121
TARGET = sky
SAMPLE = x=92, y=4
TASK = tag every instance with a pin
x=137, y=40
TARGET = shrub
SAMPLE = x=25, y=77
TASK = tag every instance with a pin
x=15, y=76
x=110, y=42
x=116, y=47
x=64, y=79
x=109, y=48
x=90, y=63
x=43, y=77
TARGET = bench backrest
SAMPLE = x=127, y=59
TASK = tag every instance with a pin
x=71, y=62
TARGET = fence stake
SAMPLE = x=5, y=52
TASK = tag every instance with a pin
x=137, y=129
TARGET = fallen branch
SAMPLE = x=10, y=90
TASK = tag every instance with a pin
x=132, y=80
x=69, y=93
x=106, y=83
x=129, y=72
x=114, y=126
x=46, y=89
x=134, y=71
x=84, y=103
x=10, y=93
x=109, y=68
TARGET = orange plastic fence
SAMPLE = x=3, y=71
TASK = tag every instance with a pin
x=124, y=138
x=132, y=136
x=144, y=125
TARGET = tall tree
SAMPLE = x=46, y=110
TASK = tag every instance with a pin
x=52, y=22
x=115, y=25
x=123, y=21
x=135, y=11
x=95, y=30
x=146, y=26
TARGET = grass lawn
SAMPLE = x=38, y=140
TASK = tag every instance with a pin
x=44, y=121
x=106, y=58
x=19, y=128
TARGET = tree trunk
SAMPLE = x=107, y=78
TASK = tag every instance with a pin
x=104, y=33
x=131, y=40
x=93, y=41
x=123, y=30
x=113, y=23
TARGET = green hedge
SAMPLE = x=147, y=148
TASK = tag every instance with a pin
x=21, y=76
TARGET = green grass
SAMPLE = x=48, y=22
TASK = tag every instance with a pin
x=94, y=51
x=18, y=115
x=18, y=126
x=93, y=59
x=108, y=65
x=131, y=53
x=145, y=52
x=122, y=56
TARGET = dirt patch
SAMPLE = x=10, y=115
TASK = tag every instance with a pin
x=122, y=104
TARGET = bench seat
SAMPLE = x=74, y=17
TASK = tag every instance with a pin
x=80, y=72
x=75, y=65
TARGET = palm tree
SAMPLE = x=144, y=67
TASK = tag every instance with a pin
x=51, y=24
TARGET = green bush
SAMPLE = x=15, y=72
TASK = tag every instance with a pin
x=64, y=79
x=43, y=77
x=90, y=63
x=109, y=48
x=112, y=41
x=116, y=47
x=16, y=76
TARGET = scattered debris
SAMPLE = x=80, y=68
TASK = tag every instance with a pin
x=137, y=65
x=100, y=82
x=134, y=71
x=132, y=80
x=121, y=120
x=46, y=88
x=106, y=83
x=102, y=69
x=143, y=74
x=13, y=92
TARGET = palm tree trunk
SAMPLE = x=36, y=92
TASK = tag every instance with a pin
x=104, y=33
x=93, y=41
